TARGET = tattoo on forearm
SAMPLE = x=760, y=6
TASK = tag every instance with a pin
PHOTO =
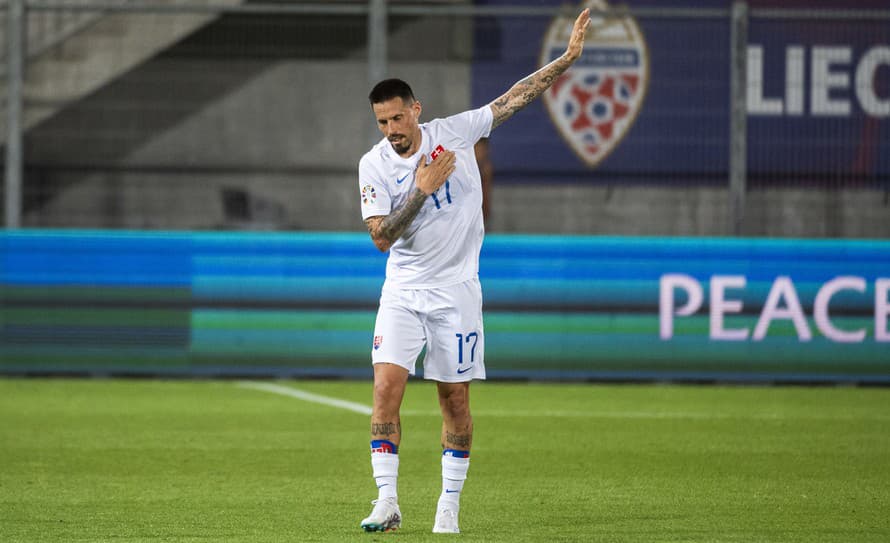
x=525, y=91
x=391, y=227
x=458, y=440
x=385, y=428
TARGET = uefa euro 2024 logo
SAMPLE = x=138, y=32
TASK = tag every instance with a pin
x=596, y=101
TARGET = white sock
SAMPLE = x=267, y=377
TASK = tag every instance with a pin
x=454, y=473
x=386, y=473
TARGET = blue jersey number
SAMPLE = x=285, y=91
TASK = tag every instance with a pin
x=447, y=194
x=461, y=340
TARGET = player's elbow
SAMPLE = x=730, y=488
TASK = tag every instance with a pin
x=374, y=228
x=382, y=244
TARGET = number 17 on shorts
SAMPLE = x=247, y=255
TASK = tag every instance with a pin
x=463, y=345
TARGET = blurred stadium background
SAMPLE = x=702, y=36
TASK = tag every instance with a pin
x=181, y=197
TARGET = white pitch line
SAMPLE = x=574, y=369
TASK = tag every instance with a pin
x=307, y=396
x=519, y=413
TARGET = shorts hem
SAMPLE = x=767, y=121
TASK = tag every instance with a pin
x=458, y=379
x=408, y=367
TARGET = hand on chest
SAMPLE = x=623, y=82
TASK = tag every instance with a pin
x=452, y=192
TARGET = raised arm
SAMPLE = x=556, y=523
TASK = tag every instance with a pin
x=525, y=91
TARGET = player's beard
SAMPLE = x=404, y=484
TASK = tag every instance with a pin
x=400, y=145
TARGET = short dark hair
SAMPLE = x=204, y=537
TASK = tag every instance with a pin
x=389, y=89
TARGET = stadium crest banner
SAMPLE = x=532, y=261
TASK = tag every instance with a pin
x=649, y=100
x=594, y=103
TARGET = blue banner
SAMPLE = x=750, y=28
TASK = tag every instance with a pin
x=583, y=307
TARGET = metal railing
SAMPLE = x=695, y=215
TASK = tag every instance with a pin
x=59, y=19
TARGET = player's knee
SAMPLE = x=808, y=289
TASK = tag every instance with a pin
x=387, y=394
x=455, y=403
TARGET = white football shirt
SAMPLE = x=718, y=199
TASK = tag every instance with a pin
x=441, y=246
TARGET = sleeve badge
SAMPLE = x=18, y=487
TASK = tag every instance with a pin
x=369, y=195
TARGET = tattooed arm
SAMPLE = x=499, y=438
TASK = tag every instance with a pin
x=385, y=230
x=524, y=92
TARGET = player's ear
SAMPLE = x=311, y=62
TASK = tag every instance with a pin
x=417, y=107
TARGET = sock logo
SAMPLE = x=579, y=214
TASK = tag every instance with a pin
x=456, y=453
x=384, y=446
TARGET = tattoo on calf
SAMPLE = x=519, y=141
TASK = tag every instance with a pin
x=385, y=428
x=458, y=440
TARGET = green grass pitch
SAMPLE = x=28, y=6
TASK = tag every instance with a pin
x=176, y=461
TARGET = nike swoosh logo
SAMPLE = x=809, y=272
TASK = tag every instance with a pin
x=451, y=491
x=383, y=485
x=399, y=181
x=465, y=370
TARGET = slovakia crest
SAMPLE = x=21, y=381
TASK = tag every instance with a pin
x=596, y=101
x=377, y=341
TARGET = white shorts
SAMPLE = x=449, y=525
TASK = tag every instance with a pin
x=448, y=320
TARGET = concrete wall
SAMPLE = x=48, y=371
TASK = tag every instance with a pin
x=300, y=155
